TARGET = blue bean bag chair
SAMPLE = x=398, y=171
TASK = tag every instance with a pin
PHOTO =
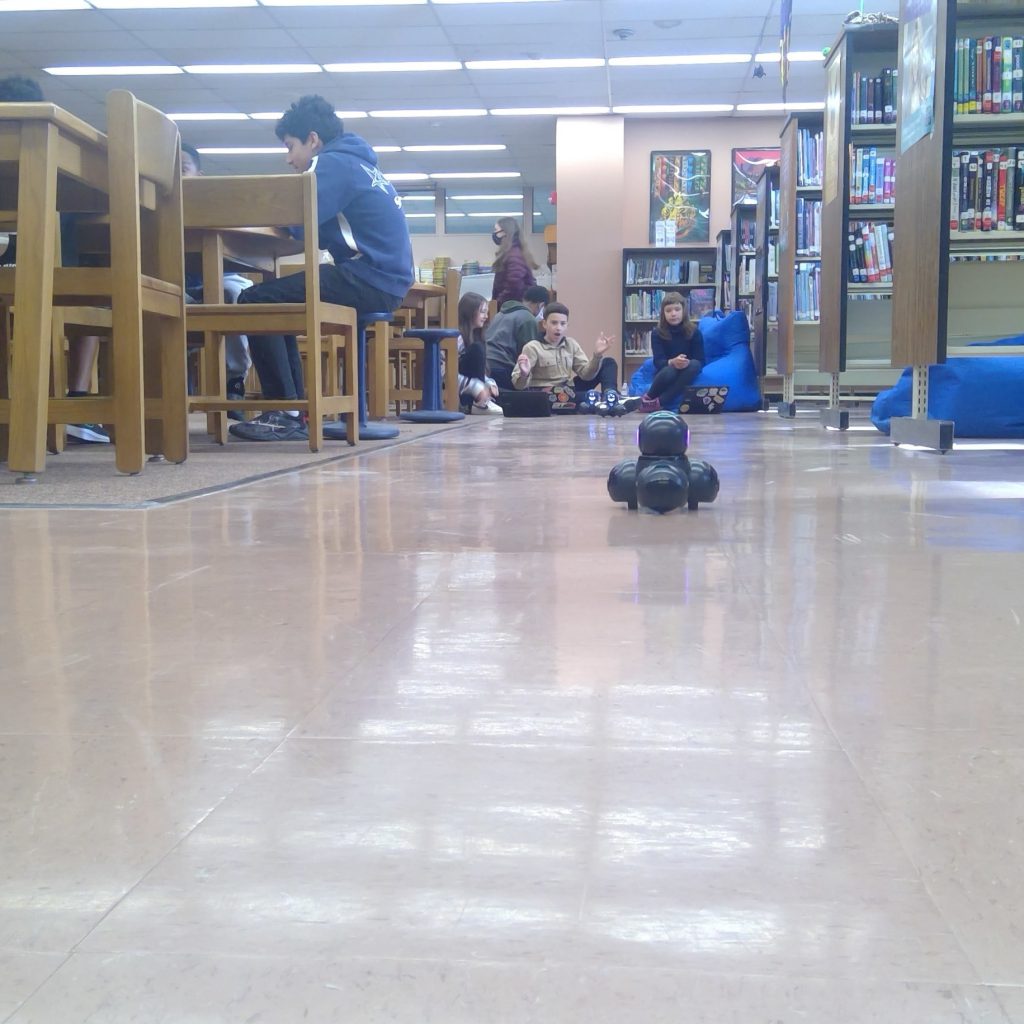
x=984, y=397
x=730, y=364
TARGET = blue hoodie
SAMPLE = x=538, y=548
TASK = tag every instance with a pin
x=361, y=219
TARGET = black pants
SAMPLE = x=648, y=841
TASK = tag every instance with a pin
x=276, y=356
x=607, y=377
x=473, y=361
x=668, y=378
x=502, y=376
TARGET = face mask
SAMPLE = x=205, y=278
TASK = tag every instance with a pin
x=496, y=238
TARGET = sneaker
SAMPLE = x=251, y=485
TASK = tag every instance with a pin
x=490, y=409
x=649, y=404
x=271, y=426
x=87, y=433
x=632, y=404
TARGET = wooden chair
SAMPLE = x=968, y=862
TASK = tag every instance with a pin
x=278, y=201
x=144, y=286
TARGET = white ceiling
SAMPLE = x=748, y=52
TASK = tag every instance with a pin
x=472, y=31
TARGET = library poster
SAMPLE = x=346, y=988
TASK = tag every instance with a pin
x=833, y=126
x=747, y=165
x=917, y=72
x=681, y=192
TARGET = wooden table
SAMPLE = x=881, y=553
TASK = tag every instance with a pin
x=49, y=161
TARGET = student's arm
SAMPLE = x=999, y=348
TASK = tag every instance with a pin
x=335, y=188
x=697, y=347
x=520, y=374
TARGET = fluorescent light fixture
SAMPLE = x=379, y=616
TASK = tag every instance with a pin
x=491, y=198
x=407, y=176
x=161, y=5
x=208, y=117
x=242, y=150
x=551, y=62
x=547, y=111
x=779, y=106
x=420, y=197
x=42, y=5
x=419, y=216
x=458, y=112
x=118, y=69
x=773, y=57
x=675, y=108
x=453, y=175
x=253, y=69
x=498, y=213
x=387, y=149
x=439, y=2
x=341, y=3
x=487, y=147
x=371, y=67
x=679, y=59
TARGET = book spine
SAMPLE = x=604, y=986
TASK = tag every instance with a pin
x=978, y=67
x=1007, y=52
x=954, y=194
x=887, y=116
x=997, y=75
x=987, y=191
x=1001, y=194
x=855, y=105
x=959, y=75
x=1018, y=74
x=1018, y=190
x=986, y=96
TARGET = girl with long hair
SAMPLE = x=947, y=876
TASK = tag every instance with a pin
x=513, y=264
x=476, y=389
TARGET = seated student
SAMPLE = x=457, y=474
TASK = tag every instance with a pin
x=476, y=389
x=236, y=346
x=558, y=359
x=363, y=228
x=678, y=351
x=514, y=325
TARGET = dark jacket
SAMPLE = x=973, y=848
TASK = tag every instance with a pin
x=676, y=345
x=360, y=213
x=513, y=326
x=513, y=277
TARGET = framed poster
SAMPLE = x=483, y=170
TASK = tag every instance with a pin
x=917, y=71
x=681, y=194
x=746, y=169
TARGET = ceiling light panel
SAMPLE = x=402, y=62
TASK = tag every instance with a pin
x=679, y=60
x=242, y=150
x=116, y=69
x=253, y=69
x=547, y=111
x=166, y=5
x=455, y=175
x=483, y=147
x=549, y=63
x=208, y=117
x=343, y=3
x=42, y=5
x=674, y=108
x=439, y=112
x=489, y=198
x=379, y=67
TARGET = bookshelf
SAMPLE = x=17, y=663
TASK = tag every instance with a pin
x=743, y=221
x=959, y=283
x=800, y=179
x=646, y=275
x=764, y=319
x=857, y=209
x=724, y=279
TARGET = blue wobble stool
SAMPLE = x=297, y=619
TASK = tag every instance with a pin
x=431, y=410
x=367, y=431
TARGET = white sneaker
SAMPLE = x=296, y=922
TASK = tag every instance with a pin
x=490, y=409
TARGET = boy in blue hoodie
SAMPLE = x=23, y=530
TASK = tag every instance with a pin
x=363, y=228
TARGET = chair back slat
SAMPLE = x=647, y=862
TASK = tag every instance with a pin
x=244, y=201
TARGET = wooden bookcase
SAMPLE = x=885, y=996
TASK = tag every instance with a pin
x=857, y=211
x=744, y=249
x=724, y=280
x=798, y=326
x=765, y=326
x=952, y=287
x=646, y=275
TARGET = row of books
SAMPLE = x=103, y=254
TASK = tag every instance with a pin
x=808, y=292
x=745, y=229
x=988, y=75
x=987, y=257
x=638, y=343
x=747, y=276
x=875, y=99
x=646, y=304
x=664, y=270
x=872, y=177
x=987, y=192
x=810, y=157
x=808, y=227
x=870, y=252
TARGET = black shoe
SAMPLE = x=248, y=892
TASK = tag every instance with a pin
x=271, y=426
x=631, y=404
x=87, y=433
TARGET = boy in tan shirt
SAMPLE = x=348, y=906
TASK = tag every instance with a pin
x=559, y=361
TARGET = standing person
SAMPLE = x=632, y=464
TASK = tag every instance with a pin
x=475, y=387
x=363, y=228
x=678, y=351
x=513, y=264
x=515, y=325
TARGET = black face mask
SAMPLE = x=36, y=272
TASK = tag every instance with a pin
x=496, y=238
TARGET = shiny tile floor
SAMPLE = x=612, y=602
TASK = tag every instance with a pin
x=440, y=734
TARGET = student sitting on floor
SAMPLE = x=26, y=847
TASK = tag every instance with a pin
x=558, y=360
x=476, y=389
x=514, y=325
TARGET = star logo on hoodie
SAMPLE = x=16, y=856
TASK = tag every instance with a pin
x=377, y=180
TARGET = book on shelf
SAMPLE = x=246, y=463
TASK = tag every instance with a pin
x=875, y=97
x=808, y=290
x=808, y=227
x=773, y=300
x=746, y=228
x=872, y=176
x=773, y=208
x=773, y=257
x=870, y=248
x=748, y=274
x=987, y=190
x=988, y=75
x=646, y=303
x=810, y=157
x=701, y=301
x=667, y=270
x=638, y=343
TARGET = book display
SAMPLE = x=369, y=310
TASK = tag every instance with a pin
x=763, y=273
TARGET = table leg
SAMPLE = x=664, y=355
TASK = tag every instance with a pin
x=378, y=367
x=33, y=285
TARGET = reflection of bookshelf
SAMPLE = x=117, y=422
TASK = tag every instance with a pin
x=953, y=287
x=647, y=274
x=856, y=217
x=800, y=179
x=744, y=215
x=724, y=280
x=764, y=315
